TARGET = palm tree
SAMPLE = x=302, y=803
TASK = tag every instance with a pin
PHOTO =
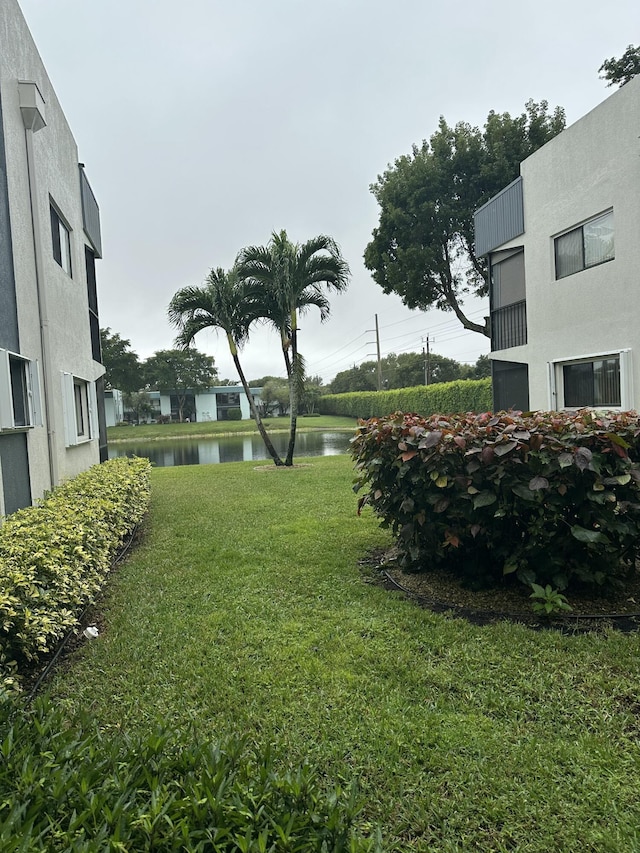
x=283, y=280
x=221, y=304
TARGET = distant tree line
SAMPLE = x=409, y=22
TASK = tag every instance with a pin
x=407, y=370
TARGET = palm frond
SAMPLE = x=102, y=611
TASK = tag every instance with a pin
x=313, y=297
x=298, y=373
x=219, y=303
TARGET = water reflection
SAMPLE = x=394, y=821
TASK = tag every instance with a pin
x=212, y=451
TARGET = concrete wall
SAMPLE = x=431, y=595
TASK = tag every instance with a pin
x=592, y=166
x=113, y=408
x=64, y=314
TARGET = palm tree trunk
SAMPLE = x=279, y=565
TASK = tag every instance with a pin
x=273, y=453
x=286, y=343
x=293, y=395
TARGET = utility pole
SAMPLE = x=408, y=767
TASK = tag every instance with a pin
x=378, y=352
x=379, y=360
x=427, y=361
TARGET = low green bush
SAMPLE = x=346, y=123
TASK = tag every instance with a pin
x=551, y=498
x=69, y=786
x=463, y=395
x=234, y=415
x=55, y=556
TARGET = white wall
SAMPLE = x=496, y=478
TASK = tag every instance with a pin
x=56, y=175
x=592, y=166
x=113, y=408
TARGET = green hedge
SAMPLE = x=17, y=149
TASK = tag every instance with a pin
x=551, y=498
x=463, y=395
x=68, y=786
x=55, y=556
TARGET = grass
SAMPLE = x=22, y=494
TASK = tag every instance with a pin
x=217, y=428
x=244, y=610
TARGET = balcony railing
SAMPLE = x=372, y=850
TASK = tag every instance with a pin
x=509, y=326
x=500, y=219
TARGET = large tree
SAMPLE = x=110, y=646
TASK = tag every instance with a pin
x=275, y=396
x=139, y=403
x=180, y=371
x=621, y=71
x=480, y=370
x=284, y=280
x=313, y=390
x=123, y=369
x=361, y=377
x=423, y=247
x=220, y=304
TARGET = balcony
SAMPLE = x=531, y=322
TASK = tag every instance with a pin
x=90, y=214
x=509, y=326
x=500, y=219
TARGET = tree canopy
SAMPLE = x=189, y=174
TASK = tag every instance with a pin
x=621, y=71
x=138, y=402
x=423, y=246
x=180, y=371
x=407, y=370
x=123, y=369
x=222, y=303
x=275, y=396
x=259, y=383
x=285, y=279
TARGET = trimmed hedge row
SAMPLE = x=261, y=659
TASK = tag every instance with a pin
x=463, y=395
x=67, y=786
x=550, y=498
x=55, y=556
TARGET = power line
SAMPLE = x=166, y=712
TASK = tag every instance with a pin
x=344, y=346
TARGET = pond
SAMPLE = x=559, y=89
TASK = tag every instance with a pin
x=236, y=448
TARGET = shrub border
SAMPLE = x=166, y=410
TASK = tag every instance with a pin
x=55, y=556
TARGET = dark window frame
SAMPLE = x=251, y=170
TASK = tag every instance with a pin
x=61, y=241
x=578, y=233
x=19, y=392
x=576, y=394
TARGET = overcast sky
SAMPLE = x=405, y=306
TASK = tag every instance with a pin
x=206, y=125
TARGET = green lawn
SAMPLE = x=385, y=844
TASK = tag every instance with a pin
x=213, y=428
x=245, y=611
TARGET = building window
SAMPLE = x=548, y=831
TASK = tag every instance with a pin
x=592, y=383
x=508, y=302
x=598, y=380
x=587, y=246
x=81, y=400
x=80, y=409
x=227, y=401
x=61, y=241
x=19, y=392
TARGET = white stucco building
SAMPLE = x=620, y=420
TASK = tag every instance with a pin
x=51, y=417
x=212, y=404
x=563, y=243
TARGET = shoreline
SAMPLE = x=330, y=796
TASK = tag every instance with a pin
x=149, y=438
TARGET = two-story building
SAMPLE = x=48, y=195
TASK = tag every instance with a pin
x=211, y=404
x=51, y=414
x=563, y=244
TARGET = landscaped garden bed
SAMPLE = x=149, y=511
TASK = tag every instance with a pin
x=243, y=613
x=551, y=500
x=55, y=557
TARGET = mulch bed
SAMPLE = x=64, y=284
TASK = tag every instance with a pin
x=444, y=593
